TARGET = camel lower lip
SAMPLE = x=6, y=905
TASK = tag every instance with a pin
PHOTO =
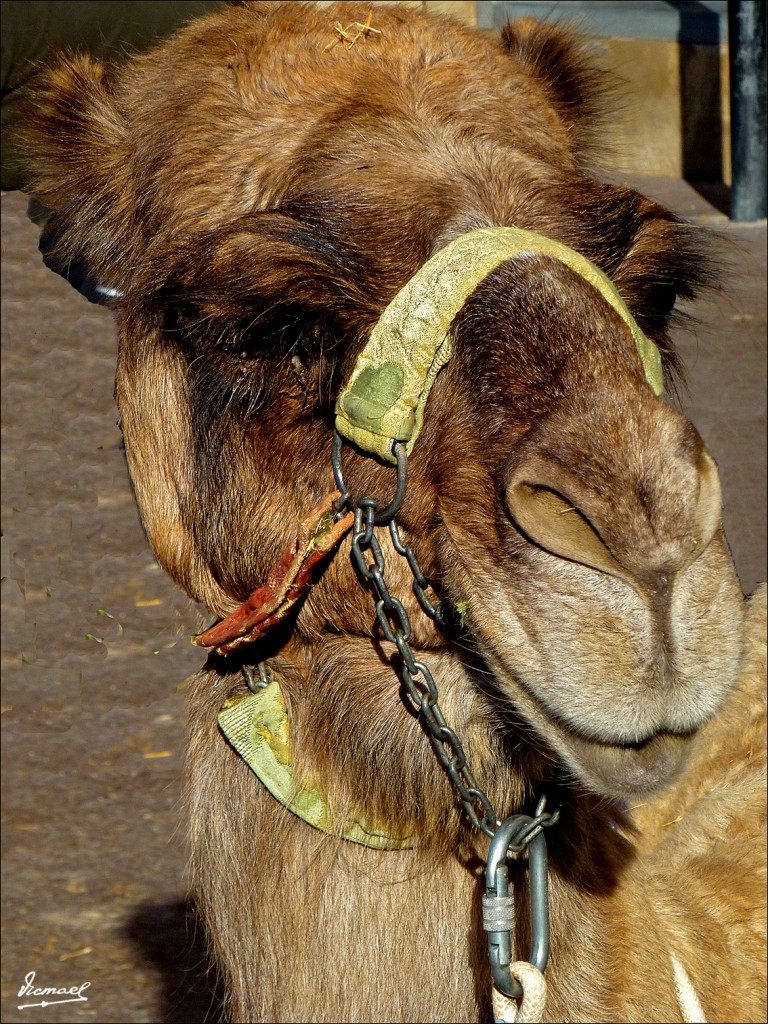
x=630, y=770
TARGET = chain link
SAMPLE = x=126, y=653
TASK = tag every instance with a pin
x=437, y=612
x=542, y=819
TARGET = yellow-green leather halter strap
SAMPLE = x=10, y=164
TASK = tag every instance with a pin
x=257, y=727
x=385, y=397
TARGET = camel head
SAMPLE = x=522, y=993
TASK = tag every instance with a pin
x=258, y=189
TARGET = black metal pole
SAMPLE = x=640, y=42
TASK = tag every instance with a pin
x=747, y=57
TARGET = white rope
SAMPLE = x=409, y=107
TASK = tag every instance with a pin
x=534, y=998
x=692, y=1010
x=532, y=1003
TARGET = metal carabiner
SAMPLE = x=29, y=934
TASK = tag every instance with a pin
x=498, y=907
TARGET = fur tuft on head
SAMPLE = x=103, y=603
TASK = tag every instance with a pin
x=558, y=60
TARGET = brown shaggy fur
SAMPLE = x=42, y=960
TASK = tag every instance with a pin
x=259, y=189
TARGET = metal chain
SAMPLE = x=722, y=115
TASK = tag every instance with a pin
x=395, y=624
x=541, y=819
x=438, y=612
x=418, y=680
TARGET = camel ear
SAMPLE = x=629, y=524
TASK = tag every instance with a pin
x=559, y=60
x=75, y=155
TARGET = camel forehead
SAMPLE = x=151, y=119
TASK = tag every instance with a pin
x=248, y=86
x=296, y=52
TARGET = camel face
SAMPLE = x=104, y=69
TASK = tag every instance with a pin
x=258, y=188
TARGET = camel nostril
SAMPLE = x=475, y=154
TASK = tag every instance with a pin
x=646, y=536
x=709, y=506
x=554, y=522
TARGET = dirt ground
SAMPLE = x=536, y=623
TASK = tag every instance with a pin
x=96, y=638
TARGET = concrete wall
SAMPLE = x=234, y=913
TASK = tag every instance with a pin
x=673, y=116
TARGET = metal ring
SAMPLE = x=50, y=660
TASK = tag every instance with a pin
x=384, y=516
x=265, y=677
x=337, y=474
